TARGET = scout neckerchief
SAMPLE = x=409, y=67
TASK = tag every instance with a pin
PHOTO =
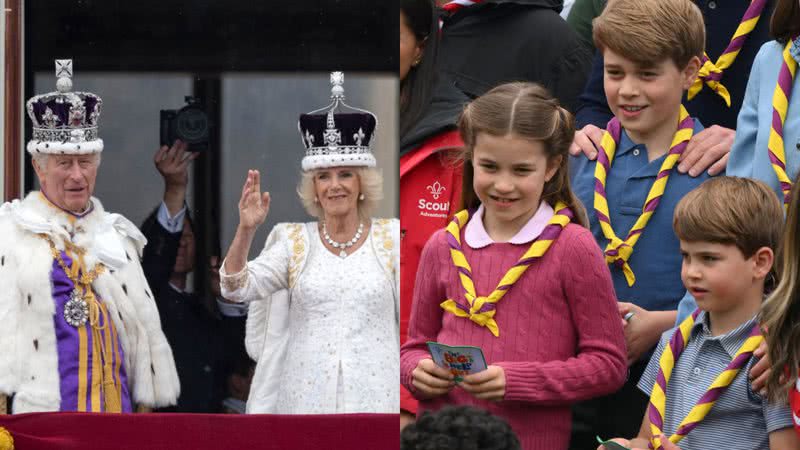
x=618, y=251
x=711, y=73
x=780, y=106
x=658, y=399
x=481, y=310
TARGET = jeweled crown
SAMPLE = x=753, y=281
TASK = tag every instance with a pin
x=338, y=134
x=65, y=122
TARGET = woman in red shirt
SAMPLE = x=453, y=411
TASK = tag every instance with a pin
x=429, y=183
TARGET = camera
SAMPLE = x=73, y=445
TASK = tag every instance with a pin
x=190, y=124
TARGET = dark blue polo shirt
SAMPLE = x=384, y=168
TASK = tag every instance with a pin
x=656, y=259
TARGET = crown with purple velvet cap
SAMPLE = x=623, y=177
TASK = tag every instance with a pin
x=65, y=122
x=338, y=134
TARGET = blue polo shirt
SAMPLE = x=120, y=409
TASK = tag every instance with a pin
x=721, y=18
x=656, y=259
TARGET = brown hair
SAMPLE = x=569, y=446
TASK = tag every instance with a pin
x=730, y=210
x=527, y=111
x=648, y=31
x=785, y=23
x=780, y=314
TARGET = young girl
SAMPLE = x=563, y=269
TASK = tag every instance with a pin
x=520, y=277
x=768, y=129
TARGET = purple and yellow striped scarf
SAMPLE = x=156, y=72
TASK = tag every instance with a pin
x=481, y=310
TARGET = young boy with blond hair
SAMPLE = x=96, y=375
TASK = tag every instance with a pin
x=700, y=397
x=652, y=51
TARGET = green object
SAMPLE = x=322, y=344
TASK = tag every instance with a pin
x=611, y=445
x=580, y=19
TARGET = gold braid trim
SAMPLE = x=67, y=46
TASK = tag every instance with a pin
x=80, y=278
x=298, y=249
x=103, y=348
x=384, y=242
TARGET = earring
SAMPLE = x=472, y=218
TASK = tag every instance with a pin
x=416, y=62
x=361, y=197
x=316, y=200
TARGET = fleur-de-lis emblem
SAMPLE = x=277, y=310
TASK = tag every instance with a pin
x=436, y=189
x=49, y=119
x=359, y=137
x=309, y=139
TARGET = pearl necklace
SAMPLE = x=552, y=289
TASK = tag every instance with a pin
x=342, y=245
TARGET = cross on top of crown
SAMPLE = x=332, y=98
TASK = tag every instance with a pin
x=63, y=68
x=337, y=80
x=63, y=75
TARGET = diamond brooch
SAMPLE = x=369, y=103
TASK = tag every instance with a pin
x=76, y=311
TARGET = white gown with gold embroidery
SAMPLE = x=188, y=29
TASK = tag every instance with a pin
x=342, y=340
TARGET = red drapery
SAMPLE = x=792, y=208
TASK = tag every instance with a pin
x=82, y=431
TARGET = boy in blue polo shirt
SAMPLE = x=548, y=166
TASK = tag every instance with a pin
x=652, y=51
x=729, y=230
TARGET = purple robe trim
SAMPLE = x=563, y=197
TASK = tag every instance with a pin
x=67, y=343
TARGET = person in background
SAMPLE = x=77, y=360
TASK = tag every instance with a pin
x=430, y=182
x=459, y=427
x=485, y=43
x=192, y=322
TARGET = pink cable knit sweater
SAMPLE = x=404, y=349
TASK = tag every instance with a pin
x=561, y=338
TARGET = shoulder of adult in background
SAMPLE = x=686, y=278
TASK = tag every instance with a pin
x=580, y=19
x=441, y=115
x=491, y=41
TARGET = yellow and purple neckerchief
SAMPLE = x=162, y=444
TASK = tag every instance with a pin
x=617, y=251
x=780, y=107
x=672, y=351
x=711, y=73
x=481, y=310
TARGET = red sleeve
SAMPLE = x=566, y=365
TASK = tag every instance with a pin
x=600, y=366
x=426, y=314
x=794, y=402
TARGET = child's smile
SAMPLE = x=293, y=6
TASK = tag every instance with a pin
x=510, y=173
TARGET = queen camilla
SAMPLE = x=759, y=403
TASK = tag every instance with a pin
x=325, y=333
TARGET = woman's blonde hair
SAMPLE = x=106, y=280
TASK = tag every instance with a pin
x=370, y=184
x=780, y=313
x=527, y=111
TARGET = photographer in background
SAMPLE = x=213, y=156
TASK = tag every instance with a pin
x=192, y=323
